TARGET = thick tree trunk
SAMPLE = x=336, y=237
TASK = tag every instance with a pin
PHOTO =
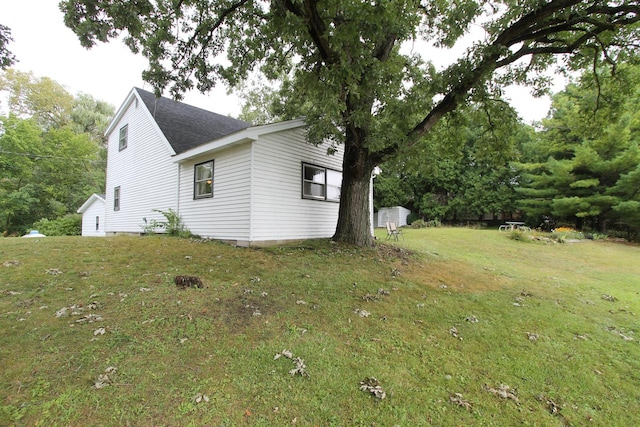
x=354, y=225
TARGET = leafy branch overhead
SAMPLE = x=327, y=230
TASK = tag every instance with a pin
x=345, y=66
x=7, y=58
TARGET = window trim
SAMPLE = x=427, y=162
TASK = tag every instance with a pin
x=324, y=197
x=123, y=140
x=195, y=180
x=116, y=198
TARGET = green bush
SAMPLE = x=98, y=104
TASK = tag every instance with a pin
x=68, y=225
x=520, y=236
x=412, y=217
x=418, y=223
x=563, y=236
x=434, y=223
x=172, y=225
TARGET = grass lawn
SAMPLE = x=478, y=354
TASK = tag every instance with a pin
x=459, y=327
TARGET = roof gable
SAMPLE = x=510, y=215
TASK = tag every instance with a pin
x=90, y=201
x=185, y=126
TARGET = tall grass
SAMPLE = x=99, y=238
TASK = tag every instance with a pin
x=442, y=320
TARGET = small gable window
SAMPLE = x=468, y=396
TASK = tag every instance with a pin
x=203, y=180
x=320, y=183
x=124, y=136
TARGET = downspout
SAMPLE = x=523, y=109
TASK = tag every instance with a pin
x=251, y=192
x=376, y=171
x=178, y=189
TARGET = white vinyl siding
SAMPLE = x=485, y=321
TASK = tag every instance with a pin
x=145, y=172
x=226, y=215
x=278, y=210
x=94, y=213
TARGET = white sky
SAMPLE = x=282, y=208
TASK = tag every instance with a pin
x=44, y=46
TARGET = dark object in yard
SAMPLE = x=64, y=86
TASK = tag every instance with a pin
x=184, y=282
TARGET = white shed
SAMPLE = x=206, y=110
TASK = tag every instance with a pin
x=93, y=212
x=397, y=214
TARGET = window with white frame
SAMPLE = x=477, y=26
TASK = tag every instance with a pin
x=321, y=183
x=203, y=180
x=116, y=199
x=124, y=136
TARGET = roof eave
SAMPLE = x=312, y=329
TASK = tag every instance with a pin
x=121, y=111
x=94, y=197
x=242, y=136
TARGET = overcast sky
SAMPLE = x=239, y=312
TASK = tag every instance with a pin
x=44, y=46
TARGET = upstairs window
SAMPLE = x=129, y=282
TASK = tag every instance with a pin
x=320, y=183
x=203, y=180
x=124, y=136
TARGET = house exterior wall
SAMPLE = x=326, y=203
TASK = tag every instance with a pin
x=96, y=210
x=143, y=170
x=278, y=211
x=226, y=215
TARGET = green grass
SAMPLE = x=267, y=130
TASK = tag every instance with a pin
x=170, y=346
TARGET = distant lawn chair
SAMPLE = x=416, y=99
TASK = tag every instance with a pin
x=393, y=231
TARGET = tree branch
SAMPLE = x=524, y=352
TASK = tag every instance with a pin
x=315, y=26
x=536, y=27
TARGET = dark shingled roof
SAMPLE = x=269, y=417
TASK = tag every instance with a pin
x=185, y=126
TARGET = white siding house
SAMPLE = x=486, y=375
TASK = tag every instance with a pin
x=140, y=174
x=93, y=212
x=258, y=194
x=251, y=185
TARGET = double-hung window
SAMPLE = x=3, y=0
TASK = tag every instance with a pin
x=124, y=136
x=321, y=183
x=203, y=180
x=116, y=199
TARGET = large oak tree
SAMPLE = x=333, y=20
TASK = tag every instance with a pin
x=345, y=60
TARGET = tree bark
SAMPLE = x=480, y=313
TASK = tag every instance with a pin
x=354, y=225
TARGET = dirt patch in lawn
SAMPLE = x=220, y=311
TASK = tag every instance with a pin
x=246, y=308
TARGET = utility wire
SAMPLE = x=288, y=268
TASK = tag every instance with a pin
x=43, y=156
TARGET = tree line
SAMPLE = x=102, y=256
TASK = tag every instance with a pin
x=52, y=152
x=579, y=167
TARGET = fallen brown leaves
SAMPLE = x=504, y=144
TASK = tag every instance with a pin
x=372, y=385
x=503, y=391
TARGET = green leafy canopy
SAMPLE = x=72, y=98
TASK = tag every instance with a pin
x=349, y=75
